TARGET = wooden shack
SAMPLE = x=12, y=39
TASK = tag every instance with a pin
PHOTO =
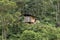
x=28, y=18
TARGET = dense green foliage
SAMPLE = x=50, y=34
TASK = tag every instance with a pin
x=46, y=12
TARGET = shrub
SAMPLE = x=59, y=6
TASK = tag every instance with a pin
x=28, y=35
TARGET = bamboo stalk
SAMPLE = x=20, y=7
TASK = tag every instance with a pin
x=4, y=30
x=57, y=9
